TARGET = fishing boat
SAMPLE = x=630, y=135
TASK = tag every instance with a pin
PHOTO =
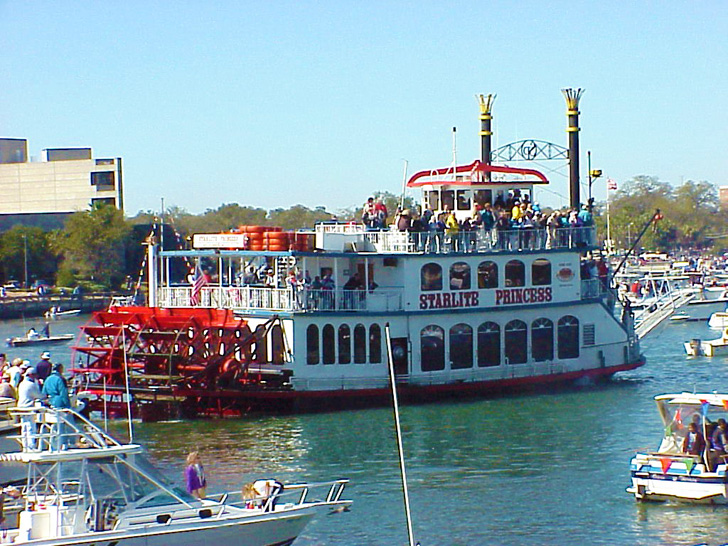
x=83, y=487
x=474, y=312
x=38, y=339
x=57, y=313
x=712, y=347
x=672, y=474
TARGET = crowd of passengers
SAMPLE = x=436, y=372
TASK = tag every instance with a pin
x=512, y=224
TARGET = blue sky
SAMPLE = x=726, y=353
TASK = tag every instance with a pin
x=273, y=104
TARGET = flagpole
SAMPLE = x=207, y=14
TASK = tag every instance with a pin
x=609, y=229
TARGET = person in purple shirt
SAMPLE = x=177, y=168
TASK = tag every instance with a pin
x=195, y=476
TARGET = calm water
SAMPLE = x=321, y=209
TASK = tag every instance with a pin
x=528, y=470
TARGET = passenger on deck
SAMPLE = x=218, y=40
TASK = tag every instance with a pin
x=694, y=443
x=719, y=443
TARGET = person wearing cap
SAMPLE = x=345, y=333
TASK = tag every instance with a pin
x=6, y=389
x=44, y=367
x=28, y=393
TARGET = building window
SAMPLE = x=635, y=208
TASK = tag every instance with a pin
x=448, y=200
x=568, y=337
x=360, y=344
x=375, y=344
x=328, y=343
x=516, y=342
x=104, y=179
x=463, y=197
x=432, y=348
x=515, y=273
x=542, y=336
x=481, y=197
x=312, y=344
x=540, y=272
x=431, y=277
x=434, y=199
x=461, y=347
x=489, y=344
x=488, y=275
x=103, y=201
x=344, y=344
x=277, y=344
x=460, y=276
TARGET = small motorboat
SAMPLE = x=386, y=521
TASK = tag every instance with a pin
x=83, y=487
x=671, y=473
x=39, y=339
x=57, y=313
x=712, y=347
x=718, y=320
x=680, y=316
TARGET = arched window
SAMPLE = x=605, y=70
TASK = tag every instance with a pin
x=516, y=342
x=540, y=272
x=431, y=277
x=489, y=344
x=344, y=344
x=515, y=273
x=260, y=353
x=312, y=344
x=461, y=347
x=488, y=275
x=328, y=344
x=375, y=344
x=568, y=337
x=277, y=344
x=459, y=276
x=360, y=344
x=432, y=348
x=542, y=339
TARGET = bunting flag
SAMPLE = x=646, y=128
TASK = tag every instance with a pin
x=678, y=419
x=668, y=430
x=665, y=463
x=689, y=464
x=198, y=282
x=704, y=407
x=725, y=404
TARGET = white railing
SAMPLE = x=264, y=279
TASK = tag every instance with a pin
x=479, y=240
x=284, y=299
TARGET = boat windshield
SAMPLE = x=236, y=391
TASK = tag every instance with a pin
x=677, y=417
x=130, y=480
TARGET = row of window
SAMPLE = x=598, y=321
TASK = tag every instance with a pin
x=330, y=340
x=431, y=277
x=483, y=347
x=486, y=347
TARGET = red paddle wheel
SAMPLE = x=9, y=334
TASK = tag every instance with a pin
x=179, y=360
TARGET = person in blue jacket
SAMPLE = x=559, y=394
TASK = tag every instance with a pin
x=56, y=389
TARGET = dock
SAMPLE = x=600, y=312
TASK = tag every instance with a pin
x=19, y=306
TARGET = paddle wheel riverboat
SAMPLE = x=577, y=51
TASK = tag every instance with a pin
x=479, y=312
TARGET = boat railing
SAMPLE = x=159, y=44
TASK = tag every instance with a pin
x=480, y=240
x=292, y=494
x=58, y=429
x=284, y=299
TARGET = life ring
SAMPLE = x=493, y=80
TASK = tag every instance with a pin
x=254, y=229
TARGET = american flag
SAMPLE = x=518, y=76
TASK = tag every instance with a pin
x=198, y=281
x=611, y=184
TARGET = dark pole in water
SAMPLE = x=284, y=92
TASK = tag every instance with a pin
x=572, y=97
x=486, y=105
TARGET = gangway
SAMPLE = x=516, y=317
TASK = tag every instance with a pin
x=662, y=308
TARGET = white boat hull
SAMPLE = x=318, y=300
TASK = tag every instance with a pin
x=718, y=320
x=266, y=530
x=716, y=347
x=679, y=482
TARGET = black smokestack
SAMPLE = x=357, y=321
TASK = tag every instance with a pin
x=486, y=104
x=572, y=97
